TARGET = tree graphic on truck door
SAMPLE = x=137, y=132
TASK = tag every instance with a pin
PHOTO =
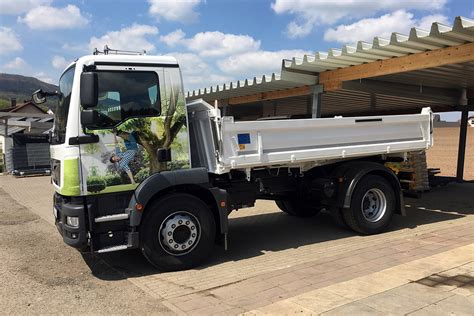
x=141, y=112
x=160, y=132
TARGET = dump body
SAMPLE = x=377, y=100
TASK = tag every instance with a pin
x=221, y=144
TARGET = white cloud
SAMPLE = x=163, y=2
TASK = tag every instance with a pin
x=16, y=64
x=59, y=62
x=294, y=29
x=129, y=38
x=212, y=44
x=215, y=44
x=44, y=77
x=310, y=13
x=366, y=29
x=195, y=82
x=190, y=64
x=173, y=38
x=426, y=21
x=20, y=6
x=78, y=48
x=216, y=58
x=50, y=18
x=177, y=10
x=197, y=73
x=9, y=40
x=256, y=63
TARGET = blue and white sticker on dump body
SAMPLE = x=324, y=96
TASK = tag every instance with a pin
x=243, y=139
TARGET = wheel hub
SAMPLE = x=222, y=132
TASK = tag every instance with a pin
x=374, y=205
x=179, y=233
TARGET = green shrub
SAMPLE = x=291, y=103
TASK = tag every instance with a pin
x=113, y=179
x=95, y=184
x=142, y=175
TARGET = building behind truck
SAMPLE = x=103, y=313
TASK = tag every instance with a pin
x=24, y=144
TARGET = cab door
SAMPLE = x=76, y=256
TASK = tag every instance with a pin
x=140, y=125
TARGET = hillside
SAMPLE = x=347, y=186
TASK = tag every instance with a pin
x=21, y=88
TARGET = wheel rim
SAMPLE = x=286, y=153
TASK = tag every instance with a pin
x=179, y=233
x=374, y=205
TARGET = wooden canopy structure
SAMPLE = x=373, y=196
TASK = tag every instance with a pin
x=388, y=76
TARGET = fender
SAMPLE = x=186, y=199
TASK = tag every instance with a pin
x=168, y=179
x=353, y=171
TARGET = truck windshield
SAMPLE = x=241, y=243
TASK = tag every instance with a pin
x=62, y=109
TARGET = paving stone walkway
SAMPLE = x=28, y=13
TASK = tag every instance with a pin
x=425, y=286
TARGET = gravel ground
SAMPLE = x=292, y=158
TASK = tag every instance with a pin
x=39, y=274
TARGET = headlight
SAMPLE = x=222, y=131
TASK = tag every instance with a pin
x=72, y=221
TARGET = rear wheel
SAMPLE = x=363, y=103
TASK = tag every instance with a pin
x=372, y=205
x=178, y=232
x=298, y=208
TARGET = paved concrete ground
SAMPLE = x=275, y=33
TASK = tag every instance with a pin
x=277, y=264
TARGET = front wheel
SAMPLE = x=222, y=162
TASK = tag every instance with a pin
x=178, y=232
x=372, y=206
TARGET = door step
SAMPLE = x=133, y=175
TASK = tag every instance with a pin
x=111, y=218
x=113, y=248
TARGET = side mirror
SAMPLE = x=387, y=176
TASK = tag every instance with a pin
x=89, y=90
x=90, y=118
x=38, y=97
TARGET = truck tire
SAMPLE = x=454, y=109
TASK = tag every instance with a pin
x=178, y=232
x=298, y=209
x=372, y=206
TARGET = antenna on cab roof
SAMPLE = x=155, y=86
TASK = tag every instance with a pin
x=108, y=51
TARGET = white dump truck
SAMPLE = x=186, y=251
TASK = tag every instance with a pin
x=134, y=166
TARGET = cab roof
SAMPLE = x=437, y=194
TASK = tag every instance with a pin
x=132, y=59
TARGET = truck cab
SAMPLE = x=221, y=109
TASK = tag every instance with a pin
x=119, y=120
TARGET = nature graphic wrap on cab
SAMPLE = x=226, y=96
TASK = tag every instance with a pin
x=147, y=132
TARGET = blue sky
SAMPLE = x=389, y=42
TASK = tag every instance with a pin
x=210, y=38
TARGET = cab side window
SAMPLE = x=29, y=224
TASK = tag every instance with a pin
x=126, y=94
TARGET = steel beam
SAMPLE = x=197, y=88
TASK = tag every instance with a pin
x=271, y=95
x=462, y=146
x=316, y=101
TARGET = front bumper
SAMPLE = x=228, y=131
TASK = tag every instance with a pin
x=76, y=237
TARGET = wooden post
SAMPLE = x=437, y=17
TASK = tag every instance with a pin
x=462, y=146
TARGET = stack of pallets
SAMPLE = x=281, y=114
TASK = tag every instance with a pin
x=413, y=174
x=419, y=167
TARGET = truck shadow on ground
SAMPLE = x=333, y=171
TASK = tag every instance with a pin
x=252, y=236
